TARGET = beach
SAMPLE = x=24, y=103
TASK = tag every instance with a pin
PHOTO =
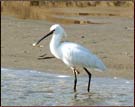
x=109, y=37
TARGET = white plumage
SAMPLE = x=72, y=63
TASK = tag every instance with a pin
x=72, y=54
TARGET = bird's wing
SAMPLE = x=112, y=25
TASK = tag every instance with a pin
x=74, y=46
x=77, y=55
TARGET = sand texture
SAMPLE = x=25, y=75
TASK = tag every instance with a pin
x=109, y=37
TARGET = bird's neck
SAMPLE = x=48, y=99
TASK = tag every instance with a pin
x=56, y=40
x=54, y=45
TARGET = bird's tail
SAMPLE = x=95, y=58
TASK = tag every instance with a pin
x=100, y=66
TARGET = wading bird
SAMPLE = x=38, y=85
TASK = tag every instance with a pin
x=72, y=54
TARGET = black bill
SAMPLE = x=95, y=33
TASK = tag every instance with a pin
x=44, y=37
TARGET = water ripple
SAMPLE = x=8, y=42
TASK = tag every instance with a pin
x=34, y=88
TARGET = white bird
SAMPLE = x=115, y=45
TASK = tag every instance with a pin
x=72, y=54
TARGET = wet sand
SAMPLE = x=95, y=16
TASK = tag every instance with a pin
x=113, y=42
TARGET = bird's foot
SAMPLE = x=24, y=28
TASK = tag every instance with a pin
x=74, y=89
x=88, y=90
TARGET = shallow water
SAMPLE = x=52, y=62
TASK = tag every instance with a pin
x=28, y=87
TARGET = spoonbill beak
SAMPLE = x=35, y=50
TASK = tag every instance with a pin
x=36, y=43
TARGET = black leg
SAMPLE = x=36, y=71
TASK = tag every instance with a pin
x=89, y=77
x=75, y=81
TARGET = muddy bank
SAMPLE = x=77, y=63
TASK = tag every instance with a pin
x=112, y=42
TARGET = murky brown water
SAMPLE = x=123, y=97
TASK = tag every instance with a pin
x=27, y=87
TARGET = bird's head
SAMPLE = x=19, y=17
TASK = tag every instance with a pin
x=56, y=28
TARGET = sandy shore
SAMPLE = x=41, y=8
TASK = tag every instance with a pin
x=112, y=42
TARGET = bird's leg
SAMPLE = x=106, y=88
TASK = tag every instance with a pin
x=89, y=77
x=75, y=81
x=77, y=71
